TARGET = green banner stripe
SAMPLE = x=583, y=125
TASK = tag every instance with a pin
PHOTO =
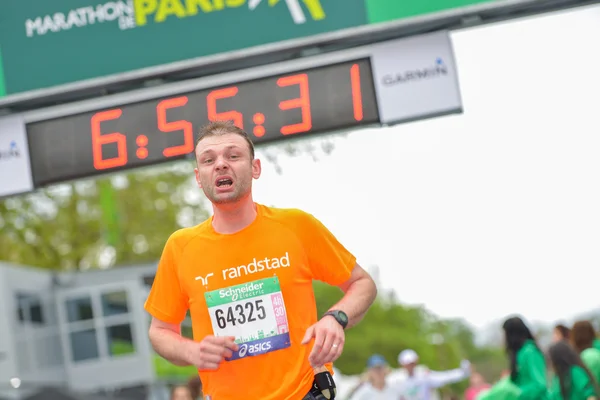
x=2, y=83
x=39, y=30
x=110, y=213
x=389, y=10
x=244, y=291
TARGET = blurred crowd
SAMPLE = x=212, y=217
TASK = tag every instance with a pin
x=192, y=390
x=569, y=369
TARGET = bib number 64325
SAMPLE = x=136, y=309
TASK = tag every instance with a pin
x=254, y=313
x=240, y=313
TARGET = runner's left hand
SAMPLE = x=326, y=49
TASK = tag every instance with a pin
x=329, y=341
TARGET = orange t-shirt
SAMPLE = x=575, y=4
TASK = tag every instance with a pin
x=255, y=285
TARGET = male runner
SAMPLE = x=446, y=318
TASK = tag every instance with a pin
x=246, y=276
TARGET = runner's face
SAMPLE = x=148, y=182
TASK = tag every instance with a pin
x=225, y=169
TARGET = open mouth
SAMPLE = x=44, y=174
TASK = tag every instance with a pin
x=224, y=182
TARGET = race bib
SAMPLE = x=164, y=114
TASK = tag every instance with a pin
x=254, y=313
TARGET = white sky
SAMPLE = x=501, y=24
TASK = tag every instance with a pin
x=487, y=213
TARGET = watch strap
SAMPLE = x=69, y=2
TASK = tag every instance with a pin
x=336, y=314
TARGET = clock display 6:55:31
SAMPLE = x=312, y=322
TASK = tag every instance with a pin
x=153, y=131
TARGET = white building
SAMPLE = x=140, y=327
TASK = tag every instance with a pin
x=85, y=332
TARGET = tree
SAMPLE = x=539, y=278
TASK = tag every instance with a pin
x=124, y=218
x=390, y=327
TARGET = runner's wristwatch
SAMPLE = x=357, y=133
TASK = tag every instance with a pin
x=339, y=316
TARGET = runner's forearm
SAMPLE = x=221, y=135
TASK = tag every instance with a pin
x=357, y=299
x=170, y=346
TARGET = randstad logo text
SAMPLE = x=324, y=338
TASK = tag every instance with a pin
x=256, y=266
x=434, y=71
x=130, y=14
x=11, y=152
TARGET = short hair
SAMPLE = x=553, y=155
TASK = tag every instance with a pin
x=565, y=332
x=582, y=335
x=195, y=386
x=217, y=128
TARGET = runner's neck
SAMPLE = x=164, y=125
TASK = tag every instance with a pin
x=232, y=218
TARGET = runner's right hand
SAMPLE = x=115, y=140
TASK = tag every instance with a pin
x=211, y=351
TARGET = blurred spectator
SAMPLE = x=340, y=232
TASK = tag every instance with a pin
x=346, y=384
x=478, y=384
x=181, y=392
x=572, y=380
x=375, y=387
x=527, y=363
x=560, y=332
x=582, y=339
x=195, y=386
x=421, y=384
x=504, y=389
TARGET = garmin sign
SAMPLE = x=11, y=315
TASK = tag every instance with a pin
x=437, y=70
x=416, y=78
x=11, y=152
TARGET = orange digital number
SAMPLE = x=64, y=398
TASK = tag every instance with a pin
x=175, y=126
x=302, y=102
x=356, y=92
x=99, y=140
x=211, y=105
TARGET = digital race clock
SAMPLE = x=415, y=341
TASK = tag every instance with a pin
x=383, y=83
x=152, y=131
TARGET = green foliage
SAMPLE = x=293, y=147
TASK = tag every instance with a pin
x=164, y=370
x=390, y=327
x=122, y=219
x=168, y=372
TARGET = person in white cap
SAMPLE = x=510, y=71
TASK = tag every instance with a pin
x=421, y=383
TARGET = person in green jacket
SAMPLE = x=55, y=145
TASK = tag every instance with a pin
x=572, y=380
x=582, y=339
x=597, y=343
x=527, y=364
x=504, y=389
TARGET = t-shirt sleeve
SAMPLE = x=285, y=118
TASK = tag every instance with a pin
x=329, y=260
x=166, y=300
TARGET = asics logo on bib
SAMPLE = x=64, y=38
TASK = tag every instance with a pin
x=256, y=266
x=253, y=348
